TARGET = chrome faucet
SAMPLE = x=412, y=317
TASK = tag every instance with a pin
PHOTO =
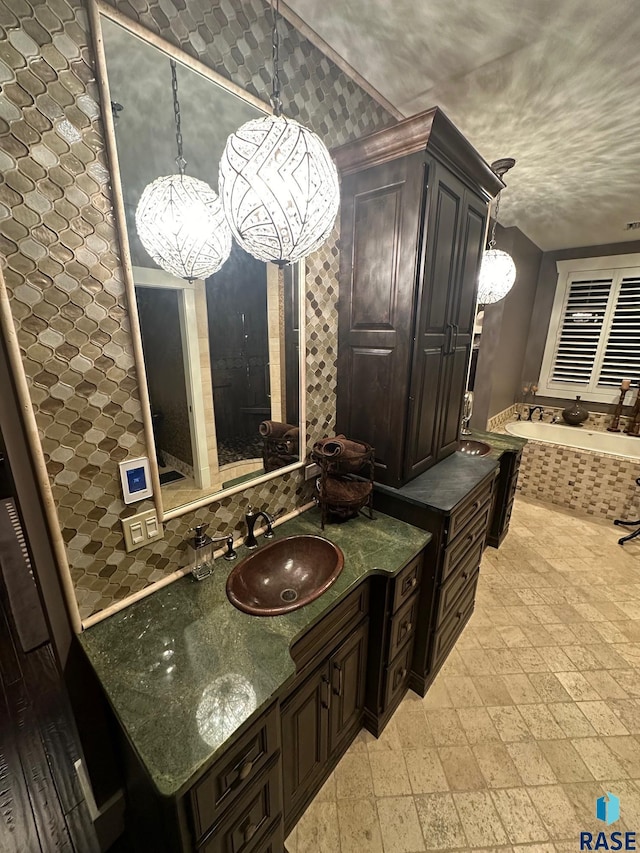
x=251, y=517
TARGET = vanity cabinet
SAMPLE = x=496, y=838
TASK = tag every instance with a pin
x=505, y=494
x=459, y=530
x=413, y=222
x=396, y=612
x=320, y=719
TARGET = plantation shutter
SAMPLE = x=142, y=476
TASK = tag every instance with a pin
x=622, y=352
x=581, y=326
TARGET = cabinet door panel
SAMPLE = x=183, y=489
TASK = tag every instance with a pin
x=451, y=400
x=471, y=250
x=380, y=219
x=424, y=425
x=440, y=248
x=305, y=737
x=348, y=668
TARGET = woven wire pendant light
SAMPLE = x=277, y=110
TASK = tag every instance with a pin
x=497, y=276
x=180, y=219
x=497, y=271
x=278, y=184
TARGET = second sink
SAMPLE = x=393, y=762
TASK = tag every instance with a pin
x=471, y=447
x=284, y=575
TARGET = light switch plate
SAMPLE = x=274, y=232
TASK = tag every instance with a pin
x=141, y=529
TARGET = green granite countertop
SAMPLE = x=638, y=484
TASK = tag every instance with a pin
x=183, y=669
x=500, y=442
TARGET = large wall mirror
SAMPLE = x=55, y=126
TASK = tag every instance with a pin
x=223, y=357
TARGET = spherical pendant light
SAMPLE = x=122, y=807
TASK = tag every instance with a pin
x=181, y=224
x=497, y=271
x=179, y=219
x=497, y=275
x=279, y=189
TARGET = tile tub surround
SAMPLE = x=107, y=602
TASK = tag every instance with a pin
x=494, y=423
x=588, y=482
x=598, y=421
x=158, y=697
x=535, y=714
x=64, y=279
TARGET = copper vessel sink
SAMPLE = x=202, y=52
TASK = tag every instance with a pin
x=471, y=447
x=284, y=575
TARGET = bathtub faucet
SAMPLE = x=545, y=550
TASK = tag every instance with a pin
x=532, y=410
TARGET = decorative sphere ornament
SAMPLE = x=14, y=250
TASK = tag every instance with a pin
x=497, y=275
x=279, y=189
x=181, y=224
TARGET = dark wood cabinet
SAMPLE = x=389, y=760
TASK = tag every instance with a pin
x=348, y=670
x=305, y=738
x=452, y=559
x=396, y=615
x=505, y=493
x=413, y=221
x=322, y=716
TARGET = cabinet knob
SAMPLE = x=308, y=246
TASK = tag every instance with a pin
x=465, y=575
x=249, y=832
x=476, y=505
x=244, y=771
x=414, y=581
x=459, y=614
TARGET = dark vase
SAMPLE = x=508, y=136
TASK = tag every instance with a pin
x=575, y=414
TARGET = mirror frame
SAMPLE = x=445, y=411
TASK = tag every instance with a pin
x=98, y=9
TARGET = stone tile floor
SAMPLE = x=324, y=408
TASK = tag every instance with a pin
x=535, y=714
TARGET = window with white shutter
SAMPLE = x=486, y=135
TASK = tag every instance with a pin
x=593, y=341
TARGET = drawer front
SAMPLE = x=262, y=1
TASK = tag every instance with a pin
x=246, y=827
x=407, y=582
x=338, y=623
x=403, y=626
x=448, y=632
x=458, y=580
x=463, y=515
x=235, y=772
x=397, y=676
x=472, y=534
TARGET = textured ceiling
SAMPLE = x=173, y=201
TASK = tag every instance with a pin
x=553, y=83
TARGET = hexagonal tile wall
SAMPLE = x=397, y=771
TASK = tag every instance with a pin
x=63, y=274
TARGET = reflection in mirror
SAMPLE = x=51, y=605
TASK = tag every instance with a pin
x=222, y=356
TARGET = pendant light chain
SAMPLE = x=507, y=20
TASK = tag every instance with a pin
x=276, y=101
x=492, y=241
x=180, y=161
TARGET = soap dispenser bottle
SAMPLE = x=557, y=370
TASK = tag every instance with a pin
x=200, y=553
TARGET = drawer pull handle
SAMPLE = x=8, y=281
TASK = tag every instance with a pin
x=414, y=582
x=249, y=832
x=459, y=614
x=244, y=771
x=476, y=505
x=326, y=701
x=465, y=575
x=338, y=690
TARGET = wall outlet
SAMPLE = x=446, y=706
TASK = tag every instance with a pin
x=311, y=470
x=141, y=529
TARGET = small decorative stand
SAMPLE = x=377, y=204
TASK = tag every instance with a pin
x=614, y=426
x=345, y=485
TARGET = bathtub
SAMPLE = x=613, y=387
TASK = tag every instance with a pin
x=589, y=472
x=617, y=444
